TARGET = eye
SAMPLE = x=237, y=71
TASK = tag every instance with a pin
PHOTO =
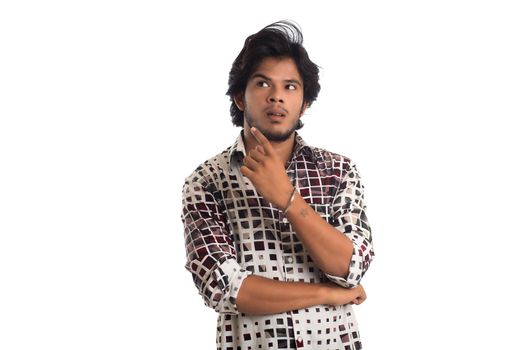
x=262, y=83
x=291, y=87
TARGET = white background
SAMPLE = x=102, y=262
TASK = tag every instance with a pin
x=106, y=106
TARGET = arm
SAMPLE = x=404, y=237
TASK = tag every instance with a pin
x=349, y=217
x=211, y=256
x=330, y=250
x=343, y=264
x=261, y=296
x=345, y=257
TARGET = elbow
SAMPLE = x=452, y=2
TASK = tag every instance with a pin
x=222, y=304
x=359, y=265
x=219, y=299
x=219, y=288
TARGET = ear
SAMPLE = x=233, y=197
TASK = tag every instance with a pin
x=304, y=107
x=239, y=101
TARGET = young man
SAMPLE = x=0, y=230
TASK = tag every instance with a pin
x=277, y=238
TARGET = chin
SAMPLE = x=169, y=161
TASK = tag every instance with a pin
x=278, y=136
x=273, y=132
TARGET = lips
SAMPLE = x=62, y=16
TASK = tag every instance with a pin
x=276, y=113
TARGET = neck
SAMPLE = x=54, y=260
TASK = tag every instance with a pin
x=284, y=149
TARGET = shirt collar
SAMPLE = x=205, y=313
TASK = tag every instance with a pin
x=237, y=151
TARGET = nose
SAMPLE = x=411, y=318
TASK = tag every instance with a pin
x=275, y=96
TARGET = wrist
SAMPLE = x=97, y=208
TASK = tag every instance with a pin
x=287, y=200
x=296, y=206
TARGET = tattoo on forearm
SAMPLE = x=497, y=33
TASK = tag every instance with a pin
x=303, y=212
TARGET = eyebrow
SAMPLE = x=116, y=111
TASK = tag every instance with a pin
x=260, y=75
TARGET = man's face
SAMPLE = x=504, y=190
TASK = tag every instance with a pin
x=273, y=99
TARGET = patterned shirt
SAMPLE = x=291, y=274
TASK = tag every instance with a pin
x=231, y=232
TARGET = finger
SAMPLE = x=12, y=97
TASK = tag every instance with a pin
x=262, y=140
x=247, y=172
x=260, y=149
x=362, y=297
x=257, y=155
x=251, y=163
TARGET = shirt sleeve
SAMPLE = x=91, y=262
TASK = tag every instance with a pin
x=211, y=255
x=349, y=217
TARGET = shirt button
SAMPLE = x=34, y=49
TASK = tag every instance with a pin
x=289, y=259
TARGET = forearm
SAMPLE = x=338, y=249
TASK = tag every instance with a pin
x=260, y=296
x=329, y=248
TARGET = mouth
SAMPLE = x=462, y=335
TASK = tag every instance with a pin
x=276, y=115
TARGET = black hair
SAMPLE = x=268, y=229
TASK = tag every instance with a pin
x=281, y=39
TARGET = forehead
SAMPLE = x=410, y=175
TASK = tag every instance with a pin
x=278, y=69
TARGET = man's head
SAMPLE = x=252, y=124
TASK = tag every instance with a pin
x=277, y=46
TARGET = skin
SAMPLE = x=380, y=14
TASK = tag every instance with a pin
x=276, y=85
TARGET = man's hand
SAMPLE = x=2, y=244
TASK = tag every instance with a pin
x=336, y=295
x=265, y=170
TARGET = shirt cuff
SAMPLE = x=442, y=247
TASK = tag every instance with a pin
x=229, y=276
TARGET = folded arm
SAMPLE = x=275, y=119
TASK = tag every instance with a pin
x=341, y=248
x=260, y=296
